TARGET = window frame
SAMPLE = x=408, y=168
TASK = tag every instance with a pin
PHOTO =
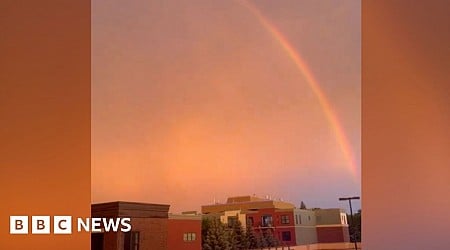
x=269, y=222
x=285, y=219
x=132, y=240
x=284, y=235
x=189, y=237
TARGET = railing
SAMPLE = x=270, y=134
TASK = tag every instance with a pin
x=266, y=224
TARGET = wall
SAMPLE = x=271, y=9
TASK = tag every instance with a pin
x=330, y=234
x=327, y=246
x=289, y=227
x=277, y=227
x=110, y=241
x=234, y=213
x=153, y=233
x=330, y=226
x=328, y=216
x=305, y=227
x=177, y=227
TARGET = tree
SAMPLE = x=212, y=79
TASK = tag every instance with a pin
x=232, y=236
x=217, y=237
x=270, y=239
x=253, y=241
x=262, y=243
x=206, y=224
x=302, y=205
x=355, y=228
x=238, y=237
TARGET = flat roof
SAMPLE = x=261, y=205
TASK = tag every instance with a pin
x=130, y=209
x=185, y=217
x=247, y=205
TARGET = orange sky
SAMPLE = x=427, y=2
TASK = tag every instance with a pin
x=195, y=100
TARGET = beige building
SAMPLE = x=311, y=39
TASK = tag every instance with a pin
x=331, y=216
x=331, y=225
x=305, y=226
x=230, y=217
x=244, y=204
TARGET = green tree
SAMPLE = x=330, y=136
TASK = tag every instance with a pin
x=217, y=236
x=261, y=241
x=206, y=224
x=253, y=242
x=302, y=205
x=270, y=239
x=233, y=239
x=355, y=228
x=238, y=237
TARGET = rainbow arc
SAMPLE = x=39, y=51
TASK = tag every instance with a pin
x=301, y=65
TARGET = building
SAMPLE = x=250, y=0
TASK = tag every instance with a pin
x=305, y=226
x=152, y=227
x=331, y=225
x=184, y=231
x=245, y=203
x=148, y=223
x=276, y=222
x=265, y=216
x=290, y=225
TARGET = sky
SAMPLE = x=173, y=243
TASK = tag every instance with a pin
x=196, y=101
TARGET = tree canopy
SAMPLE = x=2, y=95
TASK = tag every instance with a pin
x=219, y=236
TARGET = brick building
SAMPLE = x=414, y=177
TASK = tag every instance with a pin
x=290, y=225
x=184, y=231
x=278, y=222
x=151, y=228
x=265, y=216
x=148, y=223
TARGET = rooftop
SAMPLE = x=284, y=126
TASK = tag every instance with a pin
x=246, y=203
x=129, y=209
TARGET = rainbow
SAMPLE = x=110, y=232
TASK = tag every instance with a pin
x=313, y=84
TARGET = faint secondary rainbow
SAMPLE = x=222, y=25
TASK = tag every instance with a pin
x=312, y=82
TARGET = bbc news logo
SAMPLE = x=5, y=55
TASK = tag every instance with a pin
x=63, y=224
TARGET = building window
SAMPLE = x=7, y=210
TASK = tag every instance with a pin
x=249, y=221
x=298, y=219
x=286, y=236
x=285, y=219
x=189, y=237
x=266, y=221
x=232, y=220
x=131, y=241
